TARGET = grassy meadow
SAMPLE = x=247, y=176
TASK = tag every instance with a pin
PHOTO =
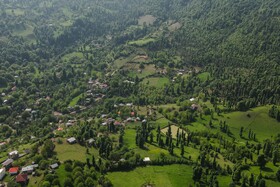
x=163, y=176
x=157, y=82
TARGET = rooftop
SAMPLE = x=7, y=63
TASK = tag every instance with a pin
x=13, y=170
x=22, y=178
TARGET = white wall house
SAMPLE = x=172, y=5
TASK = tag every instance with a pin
x=2, y=173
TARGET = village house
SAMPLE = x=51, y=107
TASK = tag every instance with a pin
x=22, y=179
x=13, y=170
x=117, y=123
x=2, y=173
x=192, y=99
x=194, y=106
x=7, y=163
x=129, y=104
x=146, y=159
x=29, y=169
x=2, y=144
x=28, y=110
x=90, y=142
x=54, y=166
x=71, y=140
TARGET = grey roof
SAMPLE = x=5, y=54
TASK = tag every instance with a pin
x=72, y=139
x=27, y=168
x=91, y=140
x=7, y=162
x=53, y=166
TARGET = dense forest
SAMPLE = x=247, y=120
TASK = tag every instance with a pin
x=188, y=82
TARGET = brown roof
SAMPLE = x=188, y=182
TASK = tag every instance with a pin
x=22, y=178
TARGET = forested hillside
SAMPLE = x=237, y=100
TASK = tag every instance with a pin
x=101, y=87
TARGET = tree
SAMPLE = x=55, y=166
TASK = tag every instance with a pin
x=89, y=182
x=278, y=175
x=151, y=137
x=251, y=180
x=261, y=161
x=182, y=150
x=68, y=182
x=275, y=156
x=197, y=173
x=236, y=175
x=47, y=149
x=241, y=131
x=261, y=183
x=46, y=184
x=120, y=140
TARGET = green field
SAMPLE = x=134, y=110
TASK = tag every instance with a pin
x=141, y=42
x=16, y=12
x=26, y=33
x=152, y=151
x=203, y=76
x=256, y=119
x=75, y=100
x=133, y=70
x=72, y=55
x=259, y=122
x=157, y=82
x=67, y=151
x=162, y=176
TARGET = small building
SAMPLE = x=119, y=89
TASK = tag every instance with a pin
x=129, y=119
x=2, y=173
x=104, y=115
x=194, y=107
x=117, y=123
x=90, y=141
x=129, y=104
x=13, y=170
x=147, y=159
x=27, y=169
x=68, y=124
x=22, y=179
x=28, y=109
x=13, y=154
x=71, y=140
x=192, y=99
x=54, y=166
x=2, y=144
x=7, y=163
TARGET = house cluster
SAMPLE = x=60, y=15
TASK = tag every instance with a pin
x=70, y=123
x=93, y=93
x=95, y=84
x=123, y=105
x=95, y=96
x=20, y=173
x=194, y=106
x=108, y=120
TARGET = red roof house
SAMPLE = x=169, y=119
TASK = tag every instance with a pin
x=117, y=123
x=22, y=178
x=13, y=170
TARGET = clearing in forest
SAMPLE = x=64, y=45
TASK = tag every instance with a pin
x=174, y=26
x=157, y=82
x=148, y=19
x=174, y=130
